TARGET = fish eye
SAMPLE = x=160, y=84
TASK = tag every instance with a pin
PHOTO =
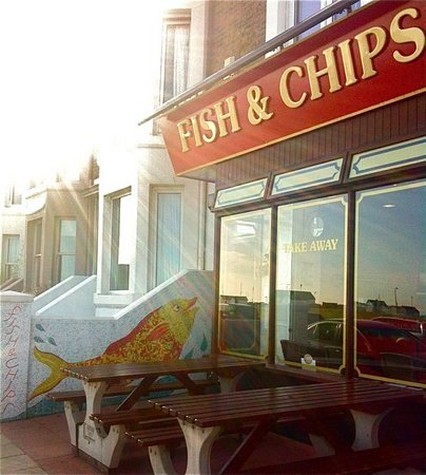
x=176, y=307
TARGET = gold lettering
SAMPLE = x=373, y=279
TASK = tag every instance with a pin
x=284, y=88
x=258, y=106
x=231, y=114
x=196, y=130
x=328, y=246
x=330, y=70
x=407, y=35
x=367, y=54
x=313, y=246
x=184, y=133
x=348, y=65
x=320, y=245
x=208, y=125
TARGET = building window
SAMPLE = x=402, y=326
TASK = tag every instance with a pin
x=310, y=282
x=244, y=282
x=168, y=230
x=281, y=15
x=175, y=53
x=10, y=256
x=12, y=196
x=390, y=281
x=306, y=8
x=66, y=248
x=121, y=233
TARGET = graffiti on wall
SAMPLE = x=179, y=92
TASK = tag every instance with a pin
x=159, y=336
x=15, y=333
x=10, y=361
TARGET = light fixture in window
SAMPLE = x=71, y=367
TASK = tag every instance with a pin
x=389, y=205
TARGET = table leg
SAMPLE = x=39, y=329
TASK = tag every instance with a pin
x=247, y=447
x=74, y=417
x=93, y=441
x=199, y=442
x=367, y=429
x=228, y=384
x=321, y=445
x=161, y=462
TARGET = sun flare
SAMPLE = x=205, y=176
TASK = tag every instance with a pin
x=80, y=76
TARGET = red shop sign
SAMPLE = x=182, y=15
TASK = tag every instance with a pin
x=373, y=57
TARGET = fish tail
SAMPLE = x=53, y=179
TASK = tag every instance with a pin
x=54, y=363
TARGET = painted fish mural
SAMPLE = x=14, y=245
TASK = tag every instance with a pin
x=159, y=336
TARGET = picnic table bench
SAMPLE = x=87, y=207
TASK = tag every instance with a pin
x=203, y=418
x=166, y=433
x=74, y=400
x=99, y=435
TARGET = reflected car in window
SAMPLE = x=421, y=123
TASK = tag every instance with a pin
x=416, y=327
x=380, y=347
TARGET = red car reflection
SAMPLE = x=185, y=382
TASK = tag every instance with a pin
x=381, y=348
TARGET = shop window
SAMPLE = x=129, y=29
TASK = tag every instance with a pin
x=244, y=282
x=310, y=283
x=66, y=248
x=10, y=256
x=390, y=282
x=121, y=233
x=175, y=53
x=168, y=230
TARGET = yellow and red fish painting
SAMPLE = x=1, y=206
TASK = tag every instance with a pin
x=160, y=336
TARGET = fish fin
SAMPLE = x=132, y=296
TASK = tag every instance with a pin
x=159, y=331
x=54, y=363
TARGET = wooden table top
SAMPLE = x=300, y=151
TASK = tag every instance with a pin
x=122, y=371
x=257, y=404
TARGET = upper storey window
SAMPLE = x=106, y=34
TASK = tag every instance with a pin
x=175, y=53
x=12, y=196
x=282, y=14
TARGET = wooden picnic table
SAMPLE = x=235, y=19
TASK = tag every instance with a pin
x=202, y=418
x=106, y=447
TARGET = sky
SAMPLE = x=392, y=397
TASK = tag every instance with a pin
x=76, y=74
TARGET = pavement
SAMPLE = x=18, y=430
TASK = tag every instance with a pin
x=40, y=445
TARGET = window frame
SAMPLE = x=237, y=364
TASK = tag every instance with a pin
x=7, y=271
x=348, y=187
x=59, y=254
x=155, y=192
x=172, y=19
x=115, y=277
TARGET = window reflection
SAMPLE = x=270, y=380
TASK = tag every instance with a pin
x=244, y=282
x=391, y=282
x=311, y=283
